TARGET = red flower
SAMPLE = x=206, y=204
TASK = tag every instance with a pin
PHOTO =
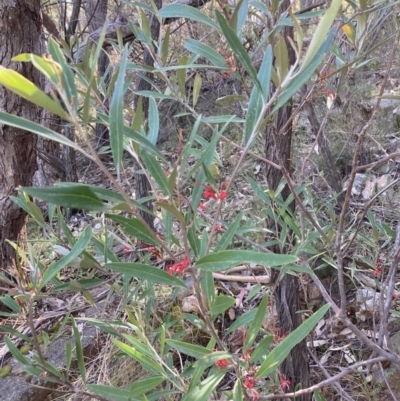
x=223, y=194
x=209, y=193
x=377, y=272
x=218, y=228
x=249, y=383
x=178, y=268
x=202, y=207
x=284, y=383
x=221, y=364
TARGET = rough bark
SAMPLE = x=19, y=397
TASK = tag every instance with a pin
x=278, y=148
x=20, y=28
x=96, y=15
x=142, y=185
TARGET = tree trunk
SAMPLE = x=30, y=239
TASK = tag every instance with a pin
x=142, y=185
x=278, y=148
x=96, y=15
x=332, y=174
x=20, y=30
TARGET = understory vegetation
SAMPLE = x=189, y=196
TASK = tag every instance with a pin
x=180, y=292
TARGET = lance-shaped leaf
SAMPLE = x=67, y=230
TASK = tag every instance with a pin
x=74, y=197
x=46, y=65
x=259, y=98
x=193, y=350
x=203, y=50
x=320, y=34
x=282, y=350
x=145, y=272
x=154, y=124
x=135, y=228
x=226, y=259
x=184, y=11
x=68, y=77
x=76, y=250
x=18, y=84
x=238, y=48
x=117, y=113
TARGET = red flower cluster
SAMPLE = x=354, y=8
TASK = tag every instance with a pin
x=209, y=193
x=249, y=383
x=178, y=268
x=284, y=383
x=221, y=364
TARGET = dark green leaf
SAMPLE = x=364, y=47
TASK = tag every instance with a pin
x=145, y=272
x=226, y=259
x=74, y=197
x=184, y=11
x=135, y=228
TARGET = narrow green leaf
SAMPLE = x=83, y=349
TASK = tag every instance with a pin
x=165, y=45
x=135, y=228
x=210, y=359
x=194, y=241
x=117, y=113
x=76, y=250
x=208, y=287
x=239, y=50
x=68, y=355
x=226, y=259
x=304, y=74
x=281, y=58
x=282, y=350
x=15, y=333
x=230, y=99
x=18, y=84
x=208, y=52
x=46, y=65
x=239, y=17
x=259, y=98
x=195, y=351
x=228, y=235
x=256, y=324
x=68, y=77
x=173, y=210
x=320, y=34
x=196, y=88
x=145, y=272
x=262, y=349
x=181, y=74
x=156, y=171
x=238, y=391
x=74, y=197
x=318, y=396
x=143, y=142
x=221, y=304
x=35, y=212
x=112, y=393
x=144, y=361
x=184, y=11
x=154, y=127
x=145, y=385
x=16, y=352
x=241, y=321
x=22, y=123
x=206, y=387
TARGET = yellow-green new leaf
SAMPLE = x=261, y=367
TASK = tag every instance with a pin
x=46, y=65
x=196, y=88
x=18, y=84
x=281, y=58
